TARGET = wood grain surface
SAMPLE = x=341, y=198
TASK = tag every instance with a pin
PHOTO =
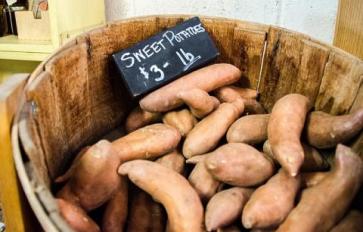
x=349, y=27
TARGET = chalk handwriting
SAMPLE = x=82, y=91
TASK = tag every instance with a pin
x=155, y=69
x=169, y=39
x=187, y=58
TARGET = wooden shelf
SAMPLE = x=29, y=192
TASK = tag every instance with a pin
x=13, y=48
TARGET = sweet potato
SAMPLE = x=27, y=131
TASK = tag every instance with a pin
x=231, y=93
x=208, y=78
x=352, y=222
x=145, y=214
x=207, y=133
x=199, y=102
x=225, y=207
x=173, y=160
x=67, y=194
x=239, y=164
x=76, y=217
x=115, y=215
x=196, y=159
x=202, y=181
x=95, y=178
x=270, y=204
x=324, y=130
x=250, y=129
x=253, y=107
x=284, y=130
x=172, y=190
x=310, y=179
x=182, y=120
x=70, y=171
x=147, y=142
x=320, y=208
x=139, y=118
x=313, y=160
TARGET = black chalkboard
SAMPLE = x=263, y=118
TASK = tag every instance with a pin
x=164, y=57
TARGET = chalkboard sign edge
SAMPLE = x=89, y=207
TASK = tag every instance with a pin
x=140, y=95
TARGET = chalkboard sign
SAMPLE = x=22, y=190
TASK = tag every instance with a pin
x=164, y=57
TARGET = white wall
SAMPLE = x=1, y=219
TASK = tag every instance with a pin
x=313, y=17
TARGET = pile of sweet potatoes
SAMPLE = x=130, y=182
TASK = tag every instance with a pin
x=202, y=154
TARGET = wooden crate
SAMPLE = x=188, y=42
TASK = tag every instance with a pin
x=71, y=100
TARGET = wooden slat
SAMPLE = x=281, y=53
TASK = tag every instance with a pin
x=222, y=34
x=349, y=27
x=163, y=23
x=28, y=127
x=247, y=50
x=313, y=60
x=343, y=76
x=13, y=203
x=282, y=63
x=357, y=145
x=31, y=184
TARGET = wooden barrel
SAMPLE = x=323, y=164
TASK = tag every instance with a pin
x=73, y=98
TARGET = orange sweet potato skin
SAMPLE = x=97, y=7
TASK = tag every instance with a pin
x=199, y=102
x=325, y=131
x=172, y=190
x=226, y=206
x=147, y=142
x=253, y=107
x=320, y=208
x=250, y=129
x=115, y=215
x=76, y=217
x=146, y=215
x=313, y=160
x=239, y=164
x=182, y=120
x=207, y=79
x=270, y=204
x=231, y=93
x=139, y=118
x=94, y=178
x=310, y=179
x=202, y=181
x=207, y=133
x=173, y=160
x=284, y=130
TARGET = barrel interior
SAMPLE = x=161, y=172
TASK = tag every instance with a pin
x=74, y=97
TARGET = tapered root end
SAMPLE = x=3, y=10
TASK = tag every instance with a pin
x=124, y=169
x=293, y=168
x=247, y=222
x=209, y=227
x=187, y=153
x=195, y=159
x=291, y=159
